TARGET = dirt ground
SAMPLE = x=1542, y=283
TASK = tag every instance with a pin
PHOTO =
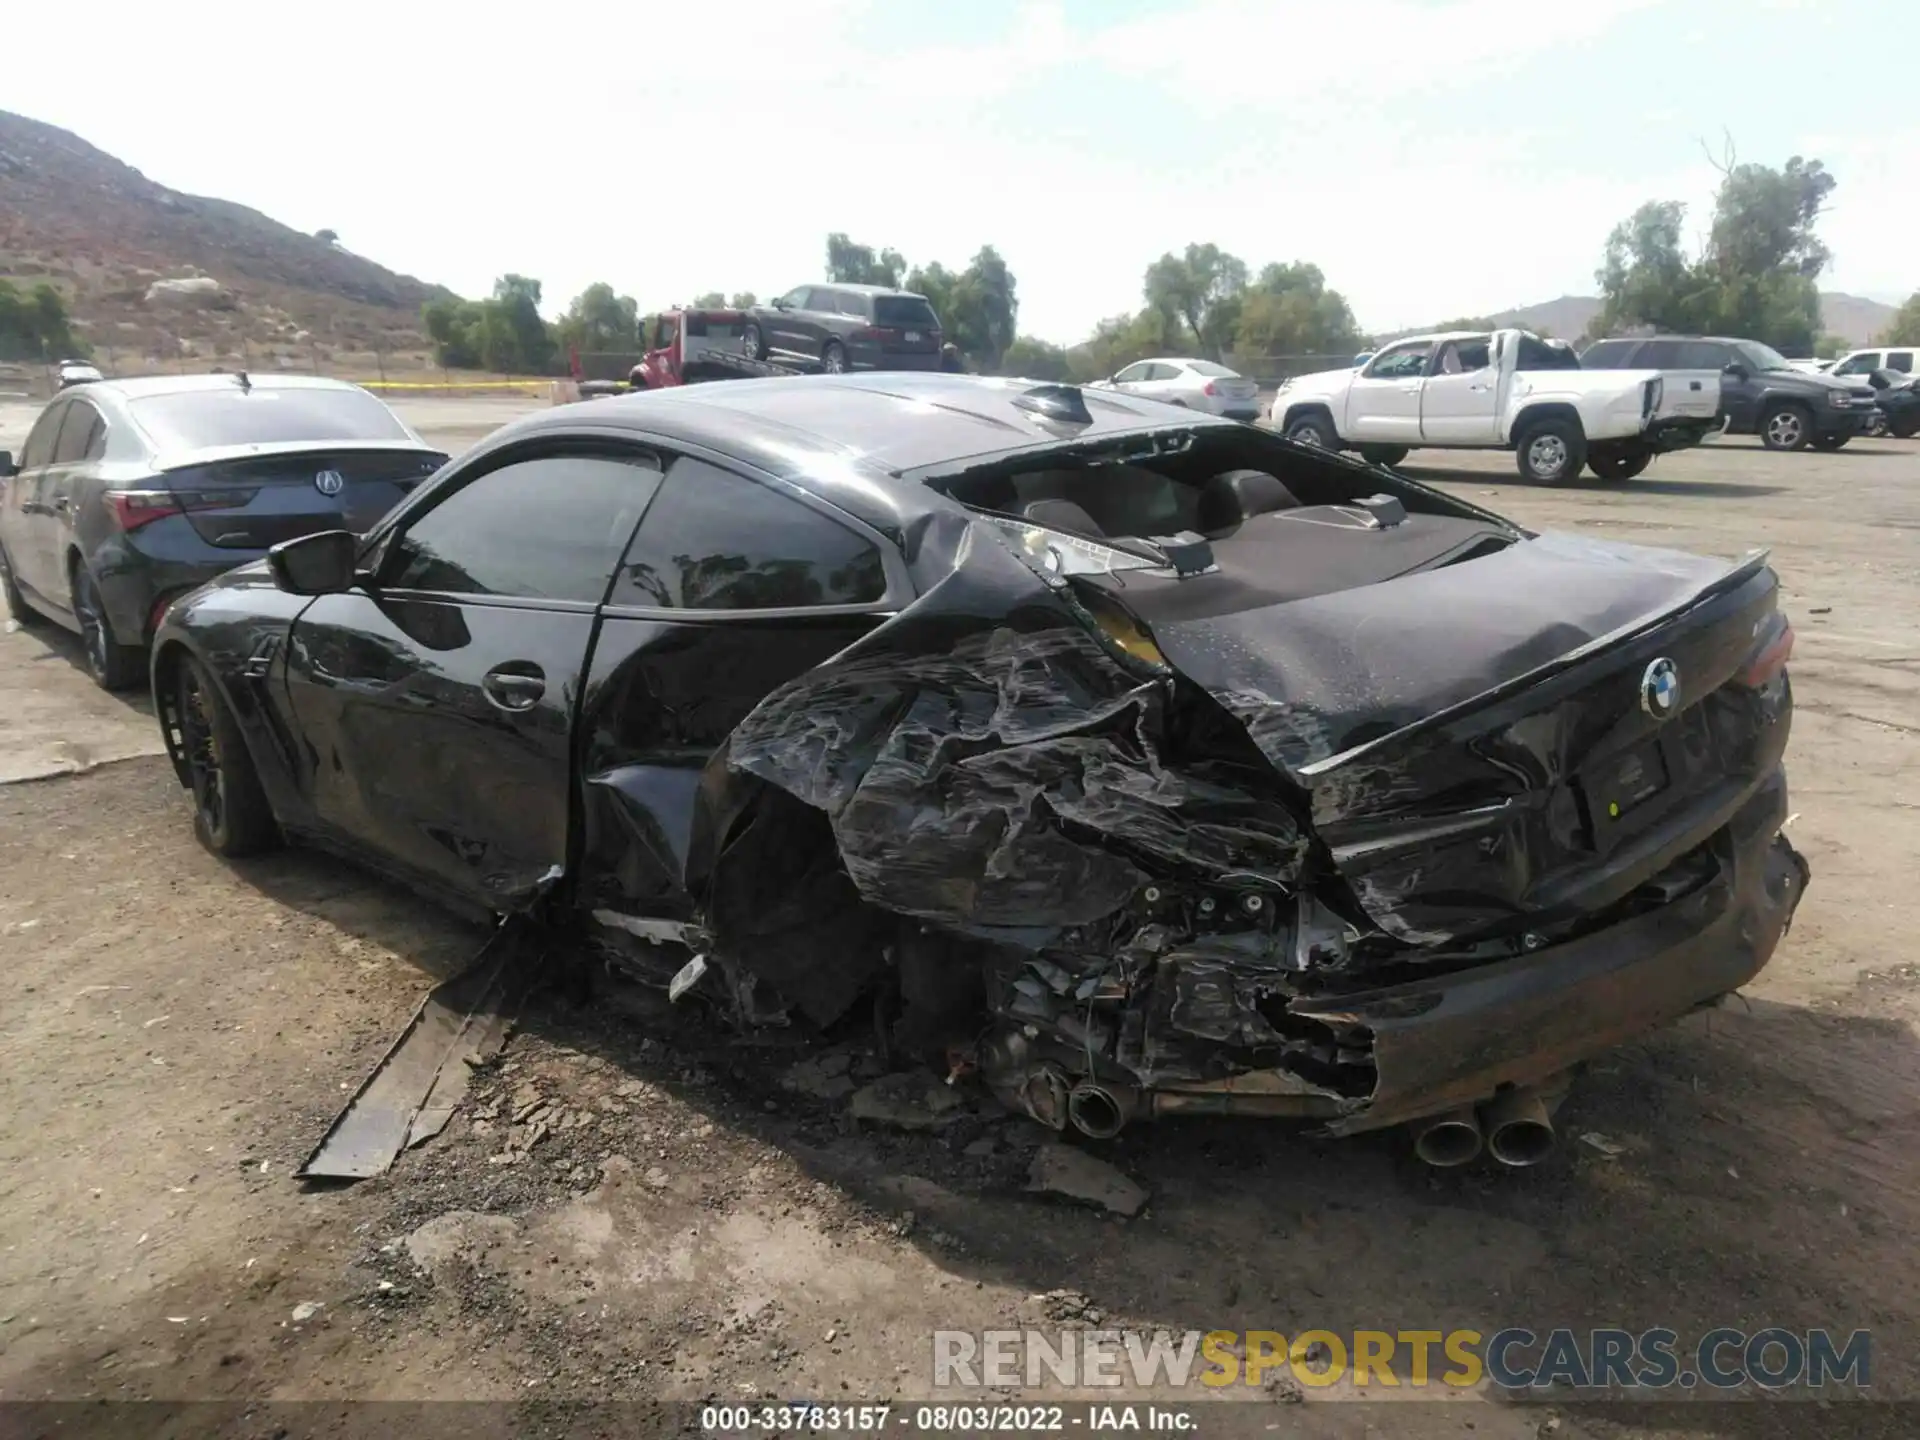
x=176, y=1034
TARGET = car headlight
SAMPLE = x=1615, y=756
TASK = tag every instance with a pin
x=1839, y=398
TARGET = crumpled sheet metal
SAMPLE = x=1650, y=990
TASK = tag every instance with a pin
x=1314, y=678
x=959, y=782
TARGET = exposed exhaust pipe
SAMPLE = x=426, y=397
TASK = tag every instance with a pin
x=1447, y=1140
x=1100, y=1111
x=1519, y=1127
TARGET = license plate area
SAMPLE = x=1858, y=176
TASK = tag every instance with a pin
x=913, y=337
x=1624, y=790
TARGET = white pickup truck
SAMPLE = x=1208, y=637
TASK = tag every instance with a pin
x=1508, y=390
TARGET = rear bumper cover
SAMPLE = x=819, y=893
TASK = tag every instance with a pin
x=1457, y=1039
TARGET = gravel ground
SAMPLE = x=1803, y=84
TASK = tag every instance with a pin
x=633, y=1206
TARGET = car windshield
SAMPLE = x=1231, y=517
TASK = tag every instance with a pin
x=1760, y=357
x=264, y=415
x=1211, y=370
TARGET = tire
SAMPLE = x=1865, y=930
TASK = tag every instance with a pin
x=1786, y=427
x=1830, y=442
x=1550, y=451
x=1315, y=430
x=1387, y=455
x=754, y=340
x=17, y=605
x=1617, y=465
x=231, y=815
x=833, y=358
x=113, y=666
x=1905, y=429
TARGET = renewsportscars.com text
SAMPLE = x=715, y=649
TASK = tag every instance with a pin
x=1609, y=1359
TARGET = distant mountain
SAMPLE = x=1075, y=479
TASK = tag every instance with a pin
x=262, y=294
x=1855, y=319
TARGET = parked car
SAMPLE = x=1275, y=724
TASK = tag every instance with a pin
x=131, y=492
x=1135, y=762
x=1865, y=362
x=1504, y=390
x=847, y=327
x=77, y=372
x=1196, y=384
x=1761, y=393
x=1898, y=402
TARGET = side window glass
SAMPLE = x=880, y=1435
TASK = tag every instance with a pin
x=1661, y=355
x=1131, y=374
x=1538, y=354
x=851, y=304
x=817, y=298
x=1864, y=364
x=1901, y=360
x=1701, y=355
x=718, y=541
x=796, y=298
x=1400, y=363
x=549, y=527
x=79, y=432
x=39, y=447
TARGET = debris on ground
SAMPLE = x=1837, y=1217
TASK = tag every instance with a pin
x=821, y=1077
x=909, y=1101
x=1063, y=1170
x=306, y=1310
x=1594, y=1140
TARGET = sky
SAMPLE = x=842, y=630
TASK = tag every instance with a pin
x=1434, y=157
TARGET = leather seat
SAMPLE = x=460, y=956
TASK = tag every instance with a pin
x=1231, y=498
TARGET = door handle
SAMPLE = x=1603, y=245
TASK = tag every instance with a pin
x=1413, y=389
x=514, y=690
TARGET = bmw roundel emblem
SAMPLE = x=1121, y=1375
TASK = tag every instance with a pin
x=329, y=482
x=1660, y=689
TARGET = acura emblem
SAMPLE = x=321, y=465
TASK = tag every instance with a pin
x=329, y=482
x=1660, y=689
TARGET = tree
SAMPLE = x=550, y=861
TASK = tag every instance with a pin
x=1289, y=310
x=1204, y=288
x=979, y=306
x=743, y=300
x=1117, y=342
x=1904, y=328
x=1033, y=359
x=453, y=326
x=1757, y=276
x=712, y=300
x=1832, y=347
x=36, y=326
x=516, y=299
x=327, y=237
x=851, y=264
x=599, y=320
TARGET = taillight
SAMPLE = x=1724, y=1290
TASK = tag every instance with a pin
x=1210, y=389
x=1771, y=658
x=134, y=508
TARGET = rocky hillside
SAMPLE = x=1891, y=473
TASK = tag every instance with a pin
x=257, y=292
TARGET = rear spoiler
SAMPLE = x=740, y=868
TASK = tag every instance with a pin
x=216, y=454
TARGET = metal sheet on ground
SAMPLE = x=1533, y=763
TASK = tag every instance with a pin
x=412, y=1093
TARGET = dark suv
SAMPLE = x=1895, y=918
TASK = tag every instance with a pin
x=847, y=327
x=1760, y=392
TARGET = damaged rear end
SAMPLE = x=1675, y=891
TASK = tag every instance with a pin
x=1336, y=812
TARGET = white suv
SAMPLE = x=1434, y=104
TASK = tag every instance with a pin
x=1865, y=362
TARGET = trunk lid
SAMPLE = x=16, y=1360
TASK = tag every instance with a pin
x=1476, y=741
x=255, y=500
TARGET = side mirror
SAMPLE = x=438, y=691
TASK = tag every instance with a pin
x=7, y=467
x=1735, y=371
x=321, y=564
x=783, y=304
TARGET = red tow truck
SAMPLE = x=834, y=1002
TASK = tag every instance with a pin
x=684, y=347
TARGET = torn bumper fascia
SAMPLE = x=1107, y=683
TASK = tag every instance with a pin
x=1458, y=1038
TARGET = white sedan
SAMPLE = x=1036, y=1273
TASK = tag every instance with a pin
x=1196, y=384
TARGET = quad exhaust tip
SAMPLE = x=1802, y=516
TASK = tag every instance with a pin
x=1098, y=1111
x=1444, y=1141
x=1519, y=1128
